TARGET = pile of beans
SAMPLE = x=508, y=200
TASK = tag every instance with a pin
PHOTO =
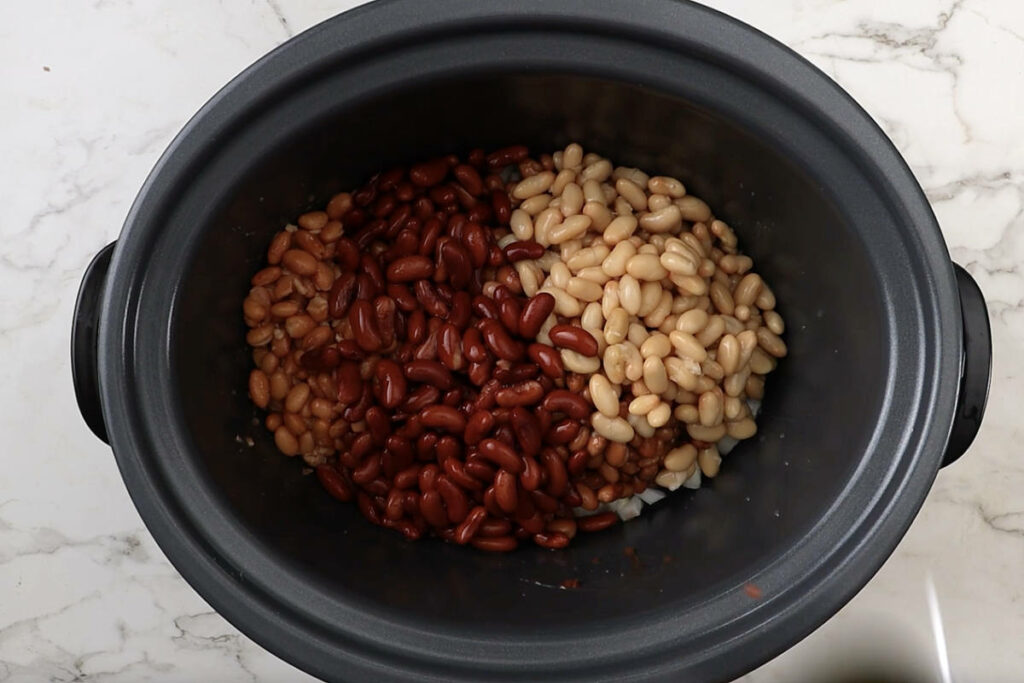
x=396, y=353
x=493, y=350
x=684, y=330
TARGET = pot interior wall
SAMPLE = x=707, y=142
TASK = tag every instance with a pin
x=821, y=408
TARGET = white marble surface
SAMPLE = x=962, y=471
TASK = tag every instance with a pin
x=90, y=94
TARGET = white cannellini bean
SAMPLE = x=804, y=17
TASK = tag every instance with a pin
x=604, y=395
x=612, y=428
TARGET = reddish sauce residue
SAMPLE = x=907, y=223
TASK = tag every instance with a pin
x=752, y=591
x=571, y=583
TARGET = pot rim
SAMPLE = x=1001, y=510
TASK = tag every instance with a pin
x=215, y=556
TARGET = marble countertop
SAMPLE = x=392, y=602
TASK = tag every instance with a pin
x=92, y=92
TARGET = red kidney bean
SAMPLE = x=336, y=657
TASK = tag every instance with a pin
x=432, y=508
x=429, y=173
x=485, y=307
x=457, y=261
x=562, y=432
x=350, y=382
x=464, y=198
x=495, y=544
x=479, y=373
x=501, y=205
x=364, y=328
x=368, y=471
x=455, y=471
x=416, y=327
x=429, y=372
x=522, y=251
x=391, y=382
x=324, y=359
x=495, y=256
x=365, y=289
x=478, y=425
x=429, y=475
x=532, y=475
x=349, y=350
x=558, y=478
x=452, y=398
x=551, y=541
x=420, y=398
x=372, y=270
x=394, y=506
x=428, y=349
x=404, y=299
x=597, y=522
x=527, y=430
x=547, y=358
x=384, y=315
x=334, y=483
x=378, y=424
x=532, y=523
x=405, y=192
x=429, y=299
x=491, y=504
x=575, y=338
x=407, y=478
x=389, y=179
x=499, y=341
x=475, y=240
x=444, y=418
x=341, y=294
x=534, y=313
x=449, y=347
x=469, y=178
x=432, y=230
x=461, y=308
x=448, y=447
x=565, y=401
x=492, y=527
x=505, y=491
x=366, y=194
x=480, y=213
x=397, y=220
x=577, y=463
x=473, y=346
x=501, y=293
x=455, y=500
x=471, y=525
x=508, y=313
x=384, y=206
x=368, y=508
x=346, y=253
x=522, y=394
x=456, y=223
x=444, y=195
x=501, y=454
x=544, y=502
x=410, y=268
x=412, y=507
x=506, y=156
x=477, y=468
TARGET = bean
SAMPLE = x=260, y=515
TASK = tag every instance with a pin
x=771, y=342
x=612, y=428
x=547, y=358
x=364, y=327
x=527, y=430
x=523, y=250
x=444, y=418
x=495, y=544
x=432, y=508
x=597, y=522
x=478, y=425
x=392, y=385
x=501, y=454
x=497, y=339
x=410, y=268
x=427, y=295
x=429, y=173
x=575, y=338
x=534, y=313
x=259, y=388
x=520, y=394
x=334, y=483
x=563, y=401
x=506, y=493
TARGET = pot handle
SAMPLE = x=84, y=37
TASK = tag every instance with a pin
x=83, y=342
x=975, y=367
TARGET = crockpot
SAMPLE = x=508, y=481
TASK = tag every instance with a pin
x=885, y=382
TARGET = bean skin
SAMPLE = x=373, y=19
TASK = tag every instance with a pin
x=444, y=418
x=469, y=527
x=501, y=454
x=410, y=268
x=391, y=382
x=534, y=313
x=547, y=358
x=527, y=430
x=574, y=338
x=498, y=340
x=506, y=492
x=568, y=402
x=429, y=173
x=454, y=499
x=364, y=327
x=429, y=372
x=525, y=393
